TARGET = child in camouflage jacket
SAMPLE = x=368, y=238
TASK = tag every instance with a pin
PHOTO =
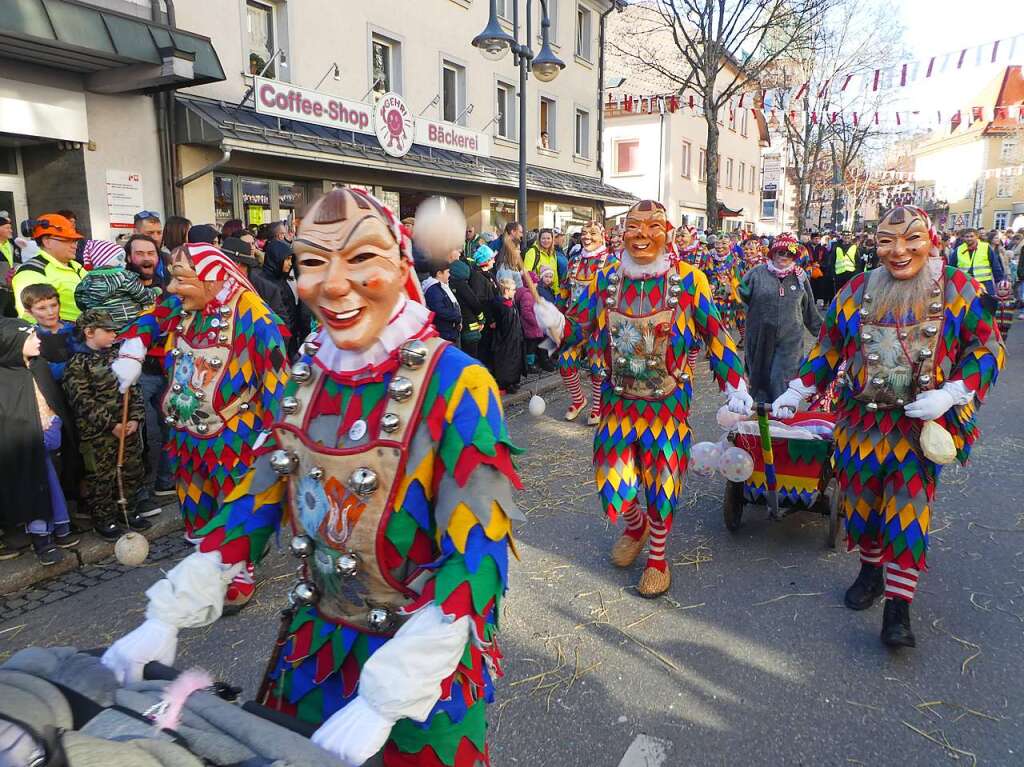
x=110, y=286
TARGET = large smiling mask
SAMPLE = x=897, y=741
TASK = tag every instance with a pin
x=353, y=266
x=906, y=240
x=646, y=231
x=592, y=236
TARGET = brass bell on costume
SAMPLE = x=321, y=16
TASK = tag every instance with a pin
x=202, y=428
x=613, y=279
x=169, y=420
x=347, y=564
x=390, y=422
x=924, y=354
x=289, y=405
x=283, y=462
x=400, y=389
x=216, y=362
x=301, y=372
x=930, y=331
x=413, y=353
x=363, y=481
x=176, y=388
x=924, y=380
x=301, y=545
x=303, y=593
x=379, y=619
x=675, y=290
x=609, y=301
x=316, y=473
x=672, y=302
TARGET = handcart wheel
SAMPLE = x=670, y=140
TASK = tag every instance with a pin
x=732, y=506
x=835, y=523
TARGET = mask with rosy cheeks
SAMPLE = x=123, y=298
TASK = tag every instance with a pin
x=194, y=293
x=646, y=232
x=592, y=236
x=682, y=237
x=351, y=274
x=904, y=242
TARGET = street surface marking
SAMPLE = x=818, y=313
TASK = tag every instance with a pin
x=646, y=751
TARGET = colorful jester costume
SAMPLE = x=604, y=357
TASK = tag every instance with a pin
x=646, y=325
x=585, y=356
x=724, y=273
x=886, y=482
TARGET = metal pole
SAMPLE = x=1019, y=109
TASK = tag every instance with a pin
x=523, y=65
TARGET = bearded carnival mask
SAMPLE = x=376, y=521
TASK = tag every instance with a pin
x=906, y=240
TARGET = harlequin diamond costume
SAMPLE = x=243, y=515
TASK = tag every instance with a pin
x=688, y=249
x=396, y=464
x=723, y=271
x=226, y=363
x=920, y=350
x=647, y=315
x=584, y=265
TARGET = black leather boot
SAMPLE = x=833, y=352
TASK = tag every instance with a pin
x=866, y=589
x=896, y=624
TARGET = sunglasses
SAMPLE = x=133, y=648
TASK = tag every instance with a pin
x=144, y=214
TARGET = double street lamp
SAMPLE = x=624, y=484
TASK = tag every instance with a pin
x=494, y=43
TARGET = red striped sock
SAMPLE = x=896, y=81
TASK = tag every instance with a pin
x=900, y=582
x=871, y=553
x=691, y=360
x=634, y=521
x=656, y=552
x=595, y=394
x=571, y=379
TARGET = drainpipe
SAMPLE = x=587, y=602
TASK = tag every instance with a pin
x=225, y=157
x=164, y=104
x=616, y=5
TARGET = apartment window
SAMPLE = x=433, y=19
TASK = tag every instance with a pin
x=702, y=173
x=260, y=37
x=685, y=160
x=584, y=32
x=742, y=176
x=582, y=145
x=386, y=64
x=505, y=124
x=732, y=120
x=744, y=115
x=627, y=156
x=553, y=29
x=505, y=9
x=548, y=138
x=728, y=173
x=1004, y=187
x=453, y=92
x=753, y=179
x=1007, y=149
x=1001, y=220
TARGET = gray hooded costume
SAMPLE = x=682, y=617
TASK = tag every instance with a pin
x=777, y=312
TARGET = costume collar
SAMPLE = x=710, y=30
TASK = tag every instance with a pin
x=632, y=269
x=408, y=320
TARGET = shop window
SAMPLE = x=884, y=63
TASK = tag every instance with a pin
x=702, y=167
x=742, y=176
x=505, y=118
x=261, y=37
x=256, y=209
x=627, y=157
x=582, y=145
x=503, y=211
x=386, y=64
x=685, y=159
x=453, y=92
x=8, y=160
x=290, y=197
x=584, y=32
x=548, y=137
x=223, y=198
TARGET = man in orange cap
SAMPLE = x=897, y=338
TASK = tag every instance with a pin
x=54, y=264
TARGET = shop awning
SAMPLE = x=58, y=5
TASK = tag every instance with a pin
x=216, y=123
x=726, y=212
x=118, y=53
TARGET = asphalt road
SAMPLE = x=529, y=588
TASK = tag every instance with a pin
x=750, y=660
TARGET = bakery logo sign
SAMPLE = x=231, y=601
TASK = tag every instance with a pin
x=394, y=125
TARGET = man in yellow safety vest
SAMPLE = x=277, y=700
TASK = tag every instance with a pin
x=842, y=260
x=978, y=259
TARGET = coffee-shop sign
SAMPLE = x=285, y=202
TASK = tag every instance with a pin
x=388, y=118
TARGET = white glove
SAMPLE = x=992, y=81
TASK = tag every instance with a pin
x=550, y=319
x=128, y=365
x=929, y=405
x=790, y=400
x=401, y=680
x=192, y=594
x=738, y=399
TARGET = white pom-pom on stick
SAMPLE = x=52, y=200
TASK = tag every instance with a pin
x=131, y=549
x=440, y=228
x=537, y=406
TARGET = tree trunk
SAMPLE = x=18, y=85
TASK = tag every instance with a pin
x=711, y=166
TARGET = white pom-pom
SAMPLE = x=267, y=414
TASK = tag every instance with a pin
x=704, y=458
x=440, y=228
x=131, y=549
x=728, y=419
x=736, y=464
x=537, y=406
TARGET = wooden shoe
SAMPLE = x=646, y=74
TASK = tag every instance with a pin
x=574, y=410
x=240, y=591
x=593, y=419
x=654, y=582
x=627, y=548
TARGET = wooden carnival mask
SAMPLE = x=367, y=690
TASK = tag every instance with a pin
x=351, y=269
x=646, y=232
x=186, y=284
x=592, y=236
x=905, y=242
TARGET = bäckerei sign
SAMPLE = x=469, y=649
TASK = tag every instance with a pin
x=388, y=118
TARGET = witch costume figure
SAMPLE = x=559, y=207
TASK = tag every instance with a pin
x=921, y=351
x=396, y=464
x=584, y=265
x=780, y=304
x=226, y=366
x=647, y=315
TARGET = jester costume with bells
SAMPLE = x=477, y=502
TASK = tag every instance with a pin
x=647, y=314
x=724, y=271
x=583, y=268
x=688, y=248
x=921, y=352
x=226, y=364
x=396, y=464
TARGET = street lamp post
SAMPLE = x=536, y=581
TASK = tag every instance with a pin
x=494, y=42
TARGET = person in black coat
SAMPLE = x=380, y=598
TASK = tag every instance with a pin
x=39, y=444
x=442, y=302
x=271, y=282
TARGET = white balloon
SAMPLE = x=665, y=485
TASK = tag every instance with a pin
x=728, y=419
x=537, y=406
x=131, y=549
x=736, y=464
x=440, y=228
x=704, y=457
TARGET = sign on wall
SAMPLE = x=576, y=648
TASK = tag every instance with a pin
x=284, y=100
x=124, y=198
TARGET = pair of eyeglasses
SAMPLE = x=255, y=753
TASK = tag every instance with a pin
x=143, y=214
